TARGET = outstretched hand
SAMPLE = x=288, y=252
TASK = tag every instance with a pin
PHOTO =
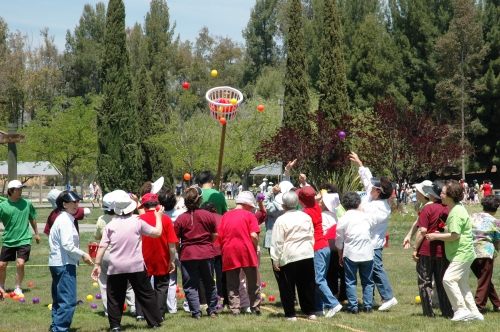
x=354, y=158
x=291, y=164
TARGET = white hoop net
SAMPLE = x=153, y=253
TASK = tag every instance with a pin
x=224, y=102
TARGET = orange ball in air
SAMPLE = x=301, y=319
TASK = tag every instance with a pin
x=222, y=121
x=260, y=108
x=187, y=176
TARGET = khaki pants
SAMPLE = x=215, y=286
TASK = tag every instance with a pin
x=233, y=287
x=455, y=283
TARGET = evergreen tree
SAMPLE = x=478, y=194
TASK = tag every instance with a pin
x=416, y=25
x=119, y=159
x=158, y=31
x=460, y=53
x=484, y=134
x=259, y=35
x=296, y=86
x=375, y=65
x=333, y=100
x=81, y=65
x=155, y=161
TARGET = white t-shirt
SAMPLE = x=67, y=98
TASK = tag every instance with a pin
x=229, y=186
x=353, y=236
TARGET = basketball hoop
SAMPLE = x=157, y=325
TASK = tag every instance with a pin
x=224, y=102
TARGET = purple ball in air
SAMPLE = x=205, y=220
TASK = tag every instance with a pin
x=218, y=297
x=219, y=307
x=93, y=306
x=22, y=299
x=262, y=298
x=342, y=134
x=98, y=296
x=260, y=197
x=36, y=300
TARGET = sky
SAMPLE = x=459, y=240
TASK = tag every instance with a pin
x=222, y=17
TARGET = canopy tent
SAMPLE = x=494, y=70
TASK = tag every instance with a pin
x=264, y=170
x=29, y=168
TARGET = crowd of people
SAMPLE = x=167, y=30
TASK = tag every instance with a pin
x=318, y=240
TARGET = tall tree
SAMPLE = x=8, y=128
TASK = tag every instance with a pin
x=84, y=51
x=296, y=86
x=484, y=134
x=119, y=161
x=155, y=161
x=260, y=34
x=416, y=25
x=375, y=65
x=461, y=51
x=333, y=83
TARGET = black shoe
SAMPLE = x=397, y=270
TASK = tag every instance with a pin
x=256, y=311
x=157, y=326
x=236, y=313
x=431, y=315
x=354, y=311
x=367, y=310
x=116, y=329
x=139, y=318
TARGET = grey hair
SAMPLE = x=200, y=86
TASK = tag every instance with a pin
x=290, y=200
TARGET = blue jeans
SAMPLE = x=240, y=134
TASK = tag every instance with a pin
x=365, y=274
x=63, y=296
x=324, y=296
x=380, y=276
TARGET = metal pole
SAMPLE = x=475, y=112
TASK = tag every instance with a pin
x=221, y=154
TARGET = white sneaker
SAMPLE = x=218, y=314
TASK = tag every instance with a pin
x=333, y=311
x=291, y=319
x=320, y=313
x=477, y=316
x=387, y=304
x=18, y=290
x=185, y=306
x=312, y=317
x=462, y=314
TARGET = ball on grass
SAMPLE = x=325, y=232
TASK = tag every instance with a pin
x=93, y=306
x=36, y=300
x=90, y=297
x=417, y=299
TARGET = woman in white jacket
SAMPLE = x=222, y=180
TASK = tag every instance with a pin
x=375, y=204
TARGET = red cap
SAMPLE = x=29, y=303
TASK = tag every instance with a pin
x=148, y=198
x=307, y=196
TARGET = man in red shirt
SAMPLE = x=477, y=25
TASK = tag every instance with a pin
x=238, y=236
x=486, y=188
x=324, y=297
x=158, y=253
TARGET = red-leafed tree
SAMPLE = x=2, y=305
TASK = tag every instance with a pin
x=320, y=152
x=409, y=143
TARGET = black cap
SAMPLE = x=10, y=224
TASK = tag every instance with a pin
x=66, y=196
x=435, y=190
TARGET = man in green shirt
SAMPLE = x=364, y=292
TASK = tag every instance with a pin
x=206, y=183
x=16, y=239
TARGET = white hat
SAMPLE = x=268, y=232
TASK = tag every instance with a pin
x=331, y=201
x=15, y=184
x=420, y=187
x=285, y=186
x=157, y=185
x=124, y=204
x=245, y=197
x=108, y=201
x=279, y=198
x=52, y=196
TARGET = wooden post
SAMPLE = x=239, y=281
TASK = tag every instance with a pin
x=12, y=152
x=221, y=154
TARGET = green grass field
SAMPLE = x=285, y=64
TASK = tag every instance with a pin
x=406, y=316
